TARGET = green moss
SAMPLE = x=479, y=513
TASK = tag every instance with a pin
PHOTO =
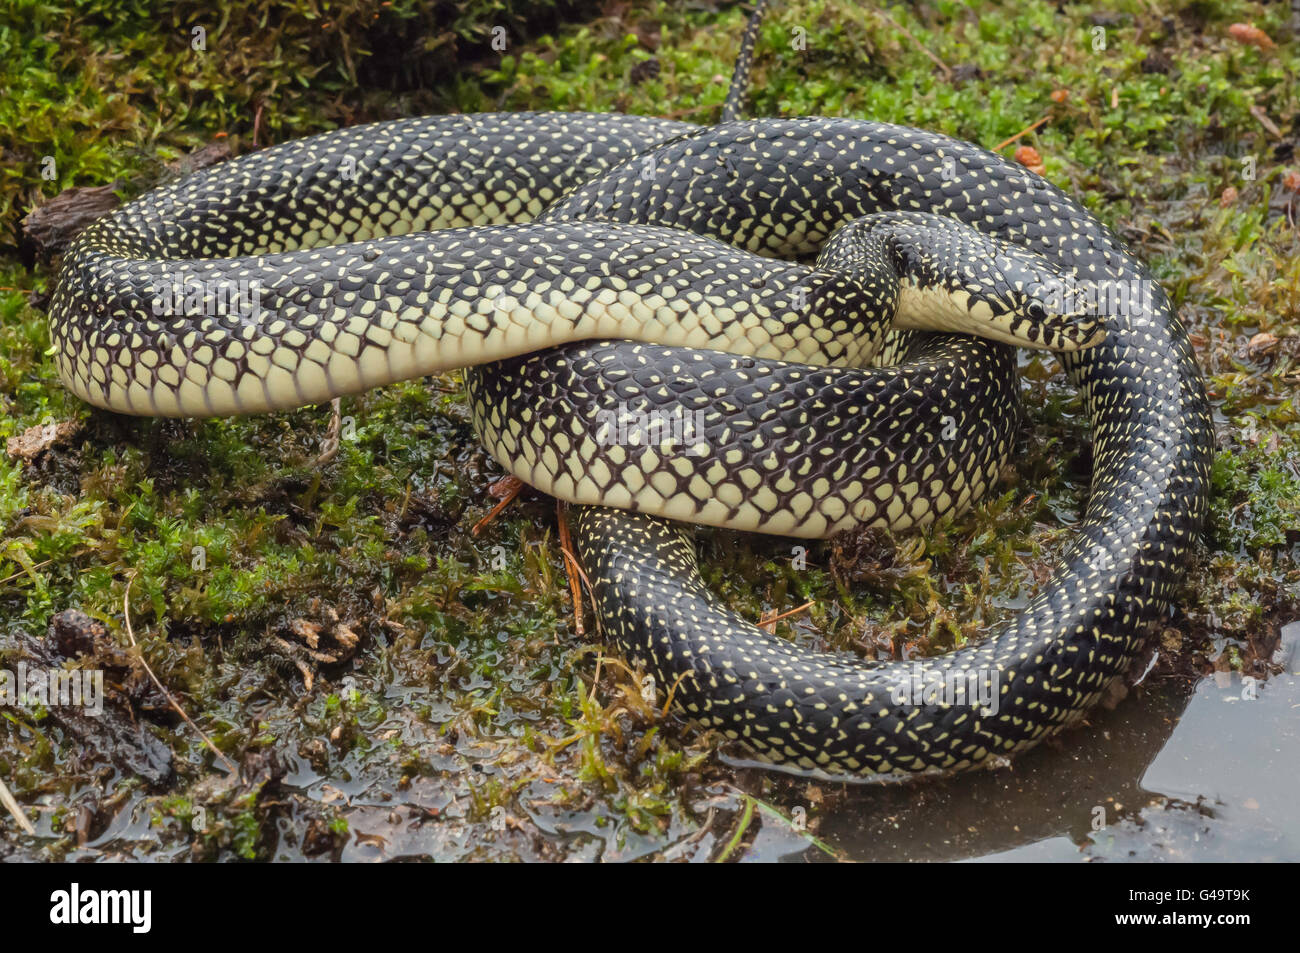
x=471, y=691
x=109, y=89
x=1257, y=497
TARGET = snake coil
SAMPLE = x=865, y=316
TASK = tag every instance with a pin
x=569, y=228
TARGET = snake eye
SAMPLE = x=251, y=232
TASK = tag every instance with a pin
x=1037, y=312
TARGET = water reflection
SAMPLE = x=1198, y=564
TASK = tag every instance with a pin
x=1179, y=771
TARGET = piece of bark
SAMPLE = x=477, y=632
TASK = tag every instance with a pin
x=34, y=441
x=216, y=151
x=50, y=228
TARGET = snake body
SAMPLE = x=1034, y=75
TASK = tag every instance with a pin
x=841, y=716
x=576, y=227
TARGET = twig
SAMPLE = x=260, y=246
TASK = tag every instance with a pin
x=15, y=808
x=25, y=572
x=1023, y=132
x=330, y=446
x=770, y=624
x=671, y=693
x=571, y=568
x=126, y=616
x=571, y=560
x=515, y=489
x=704, y=828
x=947, y=72
x=1267, y=123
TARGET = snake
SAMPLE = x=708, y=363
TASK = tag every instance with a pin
x=760, y=324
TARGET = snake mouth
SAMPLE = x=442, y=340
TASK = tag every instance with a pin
x=1023, y=319
x=1036, y=305
x=1057, y=323
x=950, y=276
x=1081, y=336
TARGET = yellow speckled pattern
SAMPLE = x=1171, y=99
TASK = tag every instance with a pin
x=736, y=397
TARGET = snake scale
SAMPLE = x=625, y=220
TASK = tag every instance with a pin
x=757, y=273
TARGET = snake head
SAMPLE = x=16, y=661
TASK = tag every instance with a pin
x=1037, y=305
x=952, y=277
x=1002, y=292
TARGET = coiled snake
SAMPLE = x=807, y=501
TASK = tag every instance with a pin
x=322, y=266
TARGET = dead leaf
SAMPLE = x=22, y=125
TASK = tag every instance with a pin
x=34, y=441
x=1252, y=35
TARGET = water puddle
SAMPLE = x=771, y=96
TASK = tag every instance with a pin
x=1179, y=771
